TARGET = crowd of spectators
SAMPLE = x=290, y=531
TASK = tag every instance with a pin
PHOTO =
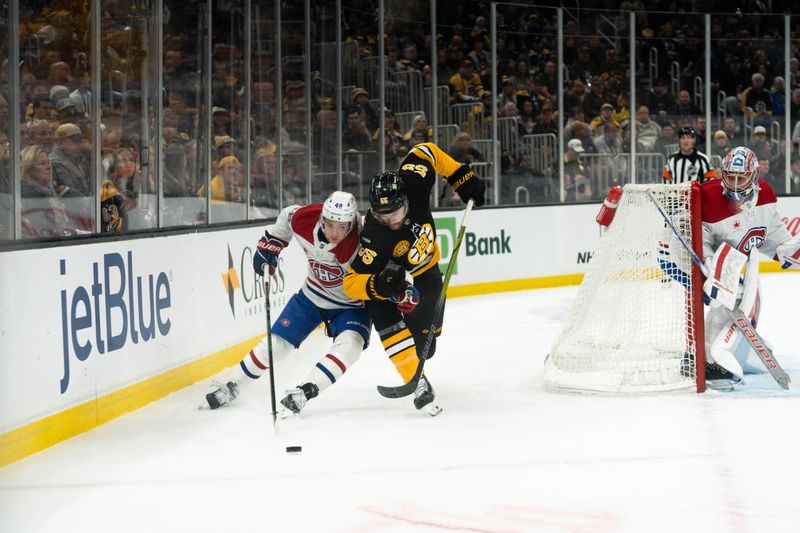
x=57, y=112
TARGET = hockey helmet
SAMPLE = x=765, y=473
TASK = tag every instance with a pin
x=340, y=206
x=739, y=173
x=687, y=130
x=387, y=193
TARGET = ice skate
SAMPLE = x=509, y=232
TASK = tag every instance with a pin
x=224, y=395
x=424, y=397
x=296, y=398
x=718, y=378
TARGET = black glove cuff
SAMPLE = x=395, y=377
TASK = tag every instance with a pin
x=372, y=291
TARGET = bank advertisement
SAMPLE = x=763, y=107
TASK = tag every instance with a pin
x=519, y=243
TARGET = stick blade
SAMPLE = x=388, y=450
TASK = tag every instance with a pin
x=400, y=391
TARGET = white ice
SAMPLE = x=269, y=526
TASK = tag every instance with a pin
x=504, y=456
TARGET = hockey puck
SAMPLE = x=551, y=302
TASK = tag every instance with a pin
x=294, y=449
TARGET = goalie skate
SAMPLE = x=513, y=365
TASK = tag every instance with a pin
x=720, y=379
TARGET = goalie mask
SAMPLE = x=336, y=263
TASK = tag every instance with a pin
x=739, y=174
x=340, y=206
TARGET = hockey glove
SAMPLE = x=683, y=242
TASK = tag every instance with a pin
x=468, y=186
x=267, y=252
x=390, y=282
x=788, y=253
x=407, y=300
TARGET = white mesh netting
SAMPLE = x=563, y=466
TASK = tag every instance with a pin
x=631, y=327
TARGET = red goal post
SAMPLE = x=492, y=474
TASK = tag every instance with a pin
x=636, y=324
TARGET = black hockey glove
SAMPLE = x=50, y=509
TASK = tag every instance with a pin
x=390, y=282
x=468, y=185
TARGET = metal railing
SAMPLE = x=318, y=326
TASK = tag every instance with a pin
x=542, y=148
x=443, y=108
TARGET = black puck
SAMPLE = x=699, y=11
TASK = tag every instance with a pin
x=294, y=449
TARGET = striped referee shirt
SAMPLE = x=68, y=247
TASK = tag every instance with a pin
x=681, y=168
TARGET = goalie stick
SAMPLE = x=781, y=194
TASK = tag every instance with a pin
x=406, y=389
x=755, y=340
x=265, y=274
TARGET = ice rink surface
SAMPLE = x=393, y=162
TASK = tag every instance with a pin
x=504, y=456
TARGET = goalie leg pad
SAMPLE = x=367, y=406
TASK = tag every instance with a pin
x=723, y=275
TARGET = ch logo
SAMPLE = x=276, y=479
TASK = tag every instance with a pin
x=752, y=240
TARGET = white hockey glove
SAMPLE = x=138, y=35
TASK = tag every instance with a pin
x=724, y=270
x=788, y=253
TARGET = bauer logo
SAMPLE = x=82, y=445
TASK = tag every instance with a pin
x=446, y=233
x=243, y=289
x=117, y=305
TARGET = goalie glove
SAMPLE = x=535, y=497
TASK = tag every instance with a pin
x=724, y=270
x=468, y=186
x=267, y=252
x=788, y=253
x=407, y=300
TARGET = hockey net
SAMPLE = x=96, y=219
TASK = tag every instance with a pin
x=636, y=324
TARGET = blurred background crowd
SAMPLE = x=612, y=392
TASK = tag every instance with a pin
x=137, y=114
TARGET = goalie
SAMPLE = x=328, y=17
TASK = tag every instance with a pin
x=739, y=216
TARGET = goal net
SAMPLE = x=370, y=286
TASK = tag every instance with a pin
x=636, y=324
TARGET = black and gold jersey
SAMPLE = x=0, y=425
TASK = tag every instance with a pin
x=412, y=246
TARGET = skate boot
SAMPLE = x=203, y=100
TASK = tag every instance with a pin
x=425, y=397
x=719, y=378
x=223, y=395
x=296, y=399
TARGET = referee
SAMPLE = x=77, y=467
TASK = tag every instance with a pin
x=687, y=164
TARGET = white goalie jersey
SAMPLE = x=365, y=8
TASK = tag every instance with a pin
x=327, y=263
x=759, y=227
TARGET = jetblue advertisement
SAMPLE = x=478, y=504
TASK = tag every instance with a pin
x=80, y=322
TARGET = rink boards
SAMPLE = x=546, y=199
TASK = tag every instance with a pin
x=91, y=331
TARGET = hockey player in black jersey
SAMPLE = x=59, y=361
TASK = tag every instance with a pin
x=399, y=238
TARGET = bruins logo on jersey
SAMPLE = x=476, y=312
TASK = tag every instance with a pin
x=422, y=246
x=401, y=249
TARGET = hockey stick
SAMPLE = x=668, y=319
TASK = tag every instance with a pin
x=269, y=349
x=761, y=348
x=411, y=386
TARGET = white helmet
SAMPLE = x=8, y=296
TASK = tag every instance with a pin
x=340, y=206
x=739, y=173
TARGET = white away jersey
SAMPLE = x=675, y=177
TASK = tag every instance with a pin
x=759, y=227
x=327, y=264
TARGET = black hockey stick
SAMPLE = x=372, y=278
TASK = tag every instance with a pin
x=761, y=348
x=265, y=274
x=411, y=386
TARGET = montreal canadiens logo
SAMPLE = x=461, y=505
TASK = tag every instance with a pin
x=328, y=275
x=754, y=239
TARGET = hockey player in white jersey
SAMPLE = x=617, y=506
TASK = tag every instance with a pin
x=739, y=211
x=328, y=234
